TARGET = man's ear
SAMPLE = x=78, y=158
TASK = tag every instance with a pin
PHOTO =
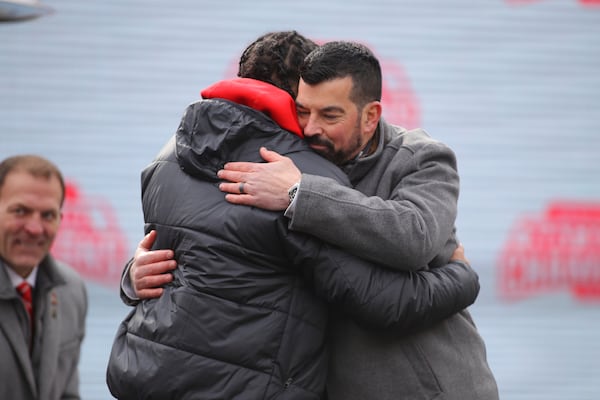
x=371, y=114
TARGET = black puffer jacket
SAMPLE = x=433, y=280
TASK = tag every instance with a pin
x=240, y=320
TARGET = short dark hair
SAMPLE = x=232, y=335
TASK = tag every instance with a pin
x=34, y=165
x=275, y=58
x=340, y=59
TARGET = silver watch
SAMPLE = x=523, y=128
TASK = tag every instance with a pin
x=292, y=191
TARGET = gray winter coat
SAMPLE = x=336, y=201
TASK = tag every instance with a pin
x=60, y=306
x=403, y=209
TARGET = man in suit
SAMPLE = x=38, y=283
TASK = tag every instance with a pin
x=43, y=303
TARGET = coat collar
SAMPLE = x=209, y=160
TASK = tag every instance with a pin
x=48, y=276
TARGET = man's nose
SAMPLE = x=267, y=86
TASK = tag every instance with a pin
x=34, y=225
x=312, y=127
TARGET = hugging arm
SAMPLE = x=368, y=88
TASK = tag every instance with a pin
x=372, y=295
x=412, y=224
x=379, y=297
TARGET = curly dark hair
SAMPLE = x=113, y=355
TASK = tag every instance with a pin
x=275, y=58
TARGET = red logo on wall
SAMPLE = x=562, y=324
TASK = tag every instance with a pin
x=399, y=102
x=557, y=250
x=90, y=239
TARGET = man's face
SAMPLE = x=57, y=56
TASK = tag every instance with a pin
x=332, y=124
x=29, y=219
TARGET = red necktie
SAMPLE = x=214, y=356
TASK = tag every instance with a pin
x=24, y=290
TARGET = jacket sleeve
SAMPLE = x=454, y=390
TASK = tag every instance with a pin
x=379, y=297
x=412, y=223
x=126, y=287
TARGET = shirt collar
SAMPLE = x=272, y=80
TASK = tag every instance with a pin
x=16, y=279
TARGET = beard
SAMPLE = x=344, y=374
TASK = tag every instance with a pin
x=339, y=156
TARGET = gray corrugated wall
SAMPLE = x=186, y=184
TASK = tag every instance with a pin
x=513, y=87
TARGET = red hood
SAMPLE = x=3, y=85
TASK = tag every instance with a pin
x=261, y=96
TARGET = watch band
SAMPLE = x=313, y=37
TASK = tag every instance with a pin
x=292, y=191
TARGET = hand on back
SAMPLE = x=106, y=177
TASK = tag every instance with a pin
x=151, y=269
x=265, y=185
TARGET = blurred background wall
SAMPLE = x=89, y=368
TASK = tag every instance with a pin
x=512, y=86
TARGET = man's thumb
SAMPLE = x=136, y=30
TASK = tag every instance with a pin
x=269, y=156
x=148, y=240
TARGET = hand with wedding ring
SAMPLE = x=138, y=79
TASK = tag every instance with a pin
x=262, y=185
